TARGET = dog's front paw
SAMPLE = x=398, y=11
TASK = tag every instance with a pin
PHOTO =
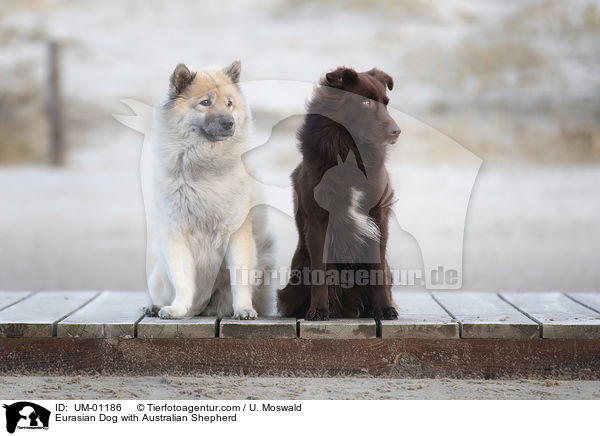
x=248, y=313
x=314, y=314
x=172, y=312
x=385, y=313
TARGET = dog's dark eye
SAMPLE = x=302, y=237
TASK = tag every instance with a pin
x=205, y=102
x=229, y=103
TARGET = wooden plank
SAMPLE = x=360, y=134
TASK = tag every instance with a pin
x=11, y=297
x=197, y=327
x=485, y=315
x=589, y=299
x=414, y=358
x=113, y=314
x=419, y=316
x=561, y=317
x=265, y=328
x=37, y=315
x=361, y=328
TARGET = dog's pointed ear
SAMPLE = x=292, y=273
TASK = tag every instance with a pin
x=233, y=71
x=384, y=78
x=181, y=78
x=341, y=76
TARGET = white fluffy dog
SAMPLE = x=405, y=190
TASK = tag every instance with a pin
x=204, y=225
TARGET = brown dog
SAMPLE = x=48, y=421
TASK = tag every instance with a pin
x=343, y=201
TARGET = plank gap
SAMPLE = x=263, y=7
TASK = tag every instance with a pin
x=26, y=296
x=55, y=325
x=442, y=306
x=135, y=325
x=455, y=319
x=524, y=313
x=579, y=302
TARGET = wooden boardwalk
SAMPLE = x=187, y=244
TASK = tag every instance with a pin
x=437, y=334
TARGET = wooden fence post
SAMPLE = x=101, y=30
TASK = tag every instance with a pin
x=57, y=153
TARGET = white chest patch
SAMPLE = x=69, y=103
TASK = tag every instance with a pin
x=363, y=223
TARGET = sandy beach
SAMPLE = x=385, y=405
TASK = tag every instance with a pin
x=285, y=388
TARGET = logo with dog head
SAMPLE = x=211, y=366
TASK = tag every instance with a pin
x=26, y=415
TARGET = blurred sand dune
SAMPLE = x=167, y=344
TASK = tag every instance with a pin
x=514, y=82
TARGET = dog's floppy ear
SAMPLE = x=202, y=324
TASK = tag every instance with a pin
x=233, y=71
x=341, y=76
x=181, y=78
x=384, y=78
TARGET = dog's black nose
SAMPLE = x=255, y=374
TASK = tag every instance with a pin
x=219, y=127
x=226, y=123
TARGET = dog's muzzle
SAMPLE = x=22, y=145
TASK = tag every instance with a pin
x=219, y=128
x=393, y=132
